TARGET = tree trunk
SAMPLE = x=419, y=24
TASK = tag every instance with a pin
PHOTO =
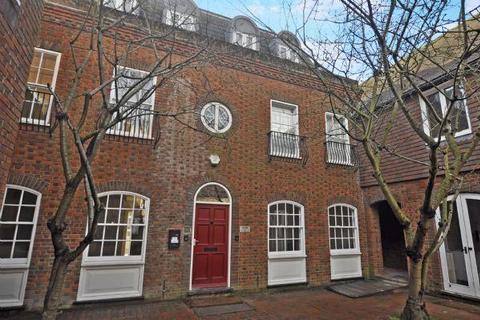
x=415, y=308
x=53, y=297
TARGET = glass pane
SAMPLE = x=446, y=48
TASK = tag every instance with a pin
x=108, y=248
x=21, y=249
x=296, y=233
x=49, y=61
x=127, y=201
x=281, y=233
x=126, y=215
x=32, y=75
x=434, y=100
x=103, y=200
x=297, y=220
x=123, y=248
x=9, y=213
x=26, y=214
x=346, y=244
x=458, y=115
x=331, y=220
x=289, y=220
x=338, y=244
x=281, y=220
x=98, y=233
x=272, y=245
x=273, y=220
x=13, y=196
x=289, y=245
x=139, y=217
x=332, y=244
x=139, y=203
x=289, y=233
x=281, y=208
x=296, y=245
x=94, y=249
x=473, y=206
x=273, y=208
x=352, y=243
x=29, y=198
x=281, y=245
x=24, y=232
x=122, y=233
x=136, y=248
x=111, y=232
x=112, y=216
x=223, y=118
x=5, y=249
x=101, y=216
x=289, y=208
x=114, y=201
x=272, y=233
x=7, y=231
x=45, y=77
x=457, y=272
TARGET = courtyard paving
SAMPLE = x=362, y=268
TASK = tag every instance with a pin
x=298, y=304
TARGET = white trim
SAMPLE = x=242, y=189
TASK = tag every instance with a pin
x=337, y=252
x=443, y=106
x=217, y=106
x=15, y=265
x=254, y=45
x=229, y=230
x=58, y=55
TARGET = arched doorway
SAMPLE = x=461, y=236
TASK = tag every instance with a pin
x=211, y=242
x=393, y=240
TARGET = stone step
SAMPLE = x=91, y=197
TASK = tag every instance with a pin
x=208, y=301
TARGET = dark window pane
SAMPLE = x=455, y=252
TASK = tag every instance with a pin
x=339, y=244
x=296, y=245
x=297, y=220
x=94, y=249
x=273, y=220
x=296, y=233
x=9, y=213
x=111, y=232
x=108, y=248
x=98, y=233
x=7, y=231
x=139, y=216
x=281, y=220
x=289, y=208
x=346, y=244
x=29, y=198
x=13, y=196
x=352, y=244
x=289, y=233
x=272, y=233
x=332, y=244
x=273, y=245
x=112, y=216
x=281, y=245
x=137, y=233
x=297, y=210
x=101, y=216
x=5, y=249
x=21, y=249
x=103, y=200
x=136, y=248
x=273, y=208
x=281, y=208
x=331, y=220
x=24, y=232
x=434, y=100
x=289, y=220
x=289, y=245
x=114, y=201
x=26, y=214
x=281, y=233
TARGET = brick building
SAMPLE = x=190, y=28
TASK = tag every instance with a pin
x=278, y=200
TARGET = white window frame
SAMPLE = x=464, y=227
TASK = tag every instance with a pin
x=241, y=39
x=123, y=260
x=289, y=53
x=290, y=106
x=184, y=21
x=45, y=122
x=345, y=140
x=443, y=105
x=287, y=254
x=118, y=132
x=217, y=106
x=355, y=251
x=12, y=263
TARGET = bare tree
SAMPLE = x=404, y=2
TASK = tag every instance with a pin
x=113, y=103
x=398, y=49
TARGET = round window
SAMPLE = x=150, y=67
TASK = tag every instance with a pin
x=216, y=117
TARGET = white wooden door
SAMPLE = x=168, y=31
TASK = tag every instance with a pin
x=460, y=251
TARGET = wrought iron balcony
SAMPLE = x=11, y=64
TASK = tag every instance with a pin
x=36, y=109
x=287, y=147
x=341, y=153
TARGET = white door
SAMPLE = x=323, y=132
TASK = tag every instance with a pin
x=460, y=252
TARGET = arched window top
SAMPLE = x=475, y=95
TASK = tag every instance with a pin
x=244, y=32
x=213, y=192
x=287, y=36
x=244, y=24
x=285, y=46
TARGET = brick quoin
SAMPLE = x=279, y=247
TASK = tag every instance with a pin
x=171, y=173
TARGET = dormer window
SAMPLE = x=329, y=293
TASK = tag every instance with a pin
x=122, y=5
x=284, y=52
x=180, y=20
x=246, y=40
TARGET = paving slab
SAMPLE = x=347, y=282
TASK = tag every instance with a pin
x=365, y=288
x=221, y=309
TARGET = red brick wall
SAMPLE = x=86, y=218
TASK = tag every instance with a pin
x=170, y=174
x=17, y=38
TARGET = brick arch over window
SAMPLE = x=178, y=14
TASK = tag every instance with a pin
x=29, y=181
x=343, y=199
x=298, y=197
x=123, y=186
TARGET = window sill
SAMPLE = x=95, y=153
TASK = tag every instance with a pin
x=286, y=256
x=345, y=252
x=41, y=123
x=99, y=262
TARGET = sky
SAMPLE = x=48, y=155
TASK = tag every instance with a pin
x=272, y=12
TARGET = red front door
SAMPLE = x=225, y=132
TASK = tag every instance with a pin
x=210, y=253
